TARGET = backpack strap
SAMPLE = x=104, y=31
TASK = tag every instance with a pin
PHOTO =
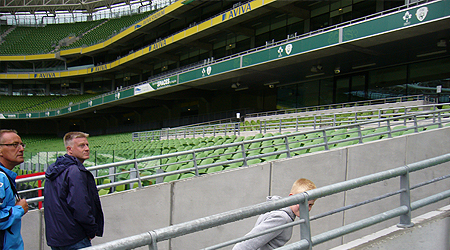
x=11, y=183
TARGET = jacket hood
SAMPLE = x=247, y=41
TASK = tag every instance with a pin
x=288, y=210
x=272, y=198
x=61, y=164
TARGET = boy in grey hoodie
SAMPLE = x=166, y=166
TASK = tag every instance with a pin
x=276, y=218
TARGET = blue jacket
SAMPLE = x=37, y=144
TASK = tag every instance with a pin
x=10, y=214
x=72, y=206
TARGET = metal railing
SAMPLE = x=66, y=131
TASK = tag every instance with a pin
x=340, y=105
x=252, y=150
x=403, y=211
x=282, y=121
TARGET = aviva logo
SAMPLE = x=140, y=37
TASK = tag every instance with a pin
x=158, y=45
x=236, y=11
x=99, y=68
x=45, y=75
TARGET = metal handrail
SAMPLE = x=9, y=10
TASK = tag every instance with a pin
x=278, y=124
x=403, y=211
x=286, y=145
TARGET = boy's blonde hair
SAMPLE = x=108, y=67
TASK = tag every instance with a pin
x=302, y=185
x=68, y=138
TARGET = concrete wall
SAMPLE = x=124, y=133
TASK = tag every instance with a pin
x=137, y=211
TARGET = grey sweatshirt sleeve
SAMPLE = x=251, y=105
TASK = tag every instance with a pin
x=267, y=241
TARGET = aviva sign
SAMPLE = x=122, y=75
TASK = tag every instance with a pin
x=45, y=75
x=237, y=11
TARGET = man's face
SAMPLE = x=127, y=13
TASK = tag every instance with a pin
x=295, y=208
x=79, y=149
x=10, y=156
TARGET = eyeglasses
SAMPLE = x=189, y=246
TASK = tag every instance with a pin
x=15, y=145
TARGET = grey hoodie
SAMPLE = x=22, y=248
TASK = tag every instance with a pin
x=266, y=221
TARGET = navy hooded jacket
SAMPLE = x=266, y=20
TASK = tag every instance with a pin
x=72, y=206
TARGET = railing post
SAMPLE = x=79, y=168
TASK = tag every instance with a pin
x=439, y=120
x=405, y=200
x=325, y=140
x=243, y=153
x=315, y=121
x=389, y=129
x=379, y=117
x=416, y=129
x=360, y=134
x=280, y=126
x=154, y=245
x=194, y=159
x=287, y=147
x=305, y=229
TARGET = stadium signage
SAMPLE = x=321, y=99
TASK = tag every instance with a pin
x=147, y=87
x=237, y=11
x=99, y=68
x=45, y=75
x=159, y=44
x=163, y=83
x=154, y=16
x=2, y=116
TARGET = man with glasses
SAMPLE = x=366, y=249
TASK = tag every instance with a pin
x=12, y=207
x=73, y=212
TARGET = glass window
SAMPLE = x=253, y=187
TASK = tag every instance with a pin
x=326, y=91
x=390, y=82
x=358, y=87
x=426, y=76
x=308, y=94
x=436, y=69
x=287, y=97
x=342, y=90
x=320, y=22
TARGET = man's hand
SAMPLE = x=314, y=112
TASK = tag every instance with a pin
x=22, y=202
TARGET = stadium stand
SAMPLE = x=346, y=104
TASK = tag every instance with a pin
x=191, y=156
x=38, y=103
x=107, y=29
x=41, y=40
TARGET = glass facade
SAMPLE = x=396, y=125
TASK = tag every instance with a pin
x=422, y=78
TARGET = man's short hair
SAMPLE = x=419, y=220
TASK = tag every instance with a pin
x=302, y=185
x=4, y=131
x=68, y=138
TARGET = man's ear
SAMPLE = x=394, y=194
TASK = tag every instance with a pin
x=69, y=149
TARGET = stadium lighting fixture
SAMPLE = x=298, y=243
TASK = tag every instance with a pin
x=235, y=85
x=271, y=83
x=337, y=70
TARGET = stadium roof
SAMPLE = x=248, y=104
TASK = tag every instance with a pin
x=52, y=6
